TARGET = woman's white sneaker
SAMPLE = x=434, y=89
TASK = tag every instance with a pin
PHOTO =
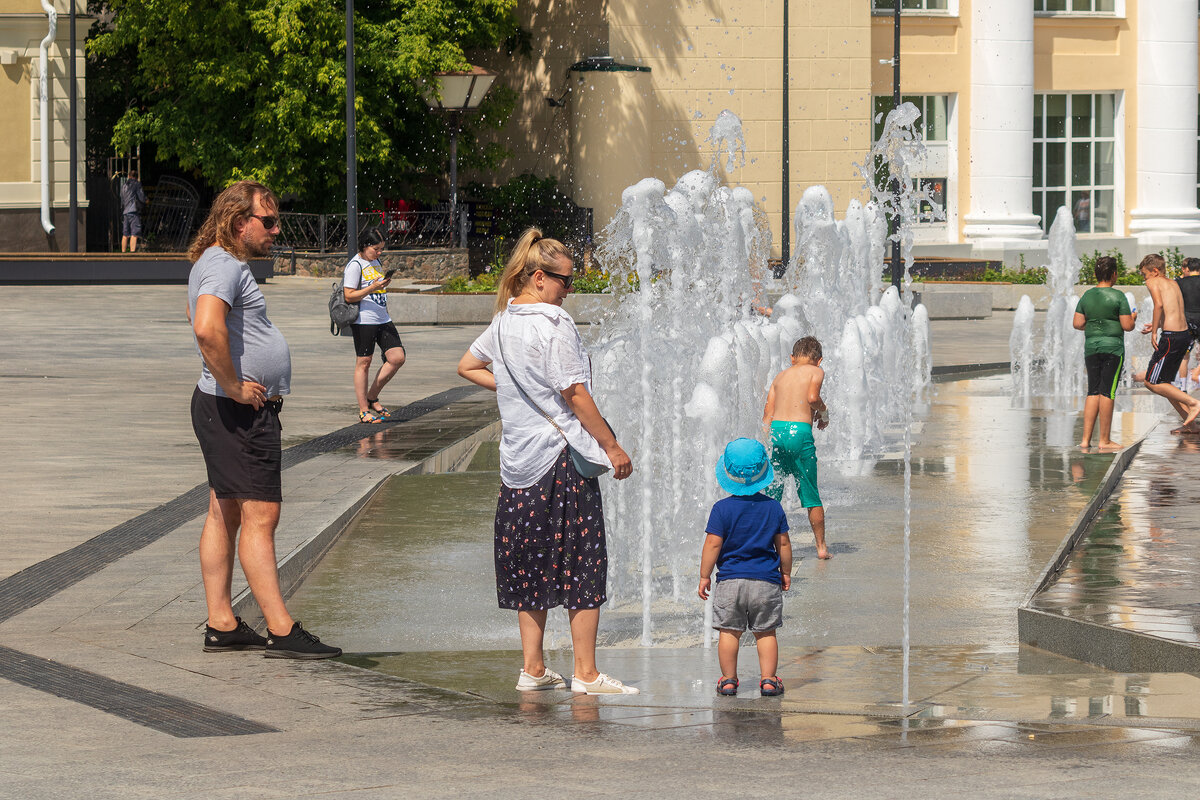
x=602, y=685
x=551, y=680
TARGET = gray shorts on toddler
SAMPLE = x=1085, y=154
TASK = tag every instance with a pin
x=741, y=604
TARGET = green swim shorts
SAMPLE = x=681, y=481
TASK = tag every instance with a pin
x=793, y=452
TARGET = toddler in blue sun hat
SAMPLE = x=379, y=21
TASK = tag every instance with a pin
x=747, y=541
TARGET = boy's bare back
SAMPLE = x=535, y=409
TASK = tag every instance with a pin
x=795, y=394
x=1166, y=295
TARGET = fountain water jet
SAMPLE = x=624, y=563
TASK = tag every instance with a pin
x=684, y=362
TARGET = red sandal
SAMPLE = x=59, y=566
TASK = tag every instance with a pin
x=727, y=687
x=770, y=687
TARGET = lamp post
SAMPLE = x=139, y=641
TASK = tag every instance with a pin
x=894, y=220
x=457, y=93
x=351, y=140
x=786, y=178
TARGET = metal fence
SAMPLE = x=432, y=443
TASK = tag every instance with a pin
x=170, y=215
x=325, y=233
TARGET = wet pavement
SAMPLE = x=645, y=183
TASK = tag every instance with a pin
x=95, y=441
x=994, y=489
x=408, y=591
x=948, y=685
x=1138, y=568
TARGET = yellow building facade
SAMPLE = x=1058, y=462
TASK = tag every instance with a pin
x=1030, y=105
x=33, y=199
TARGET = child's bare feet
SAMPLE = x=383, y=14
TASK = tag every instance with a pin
x=1109, y=447
x=823, y=553
x=1193, y=412
x=1084, y=446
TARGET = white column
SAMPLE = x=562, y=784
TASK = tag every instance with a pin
x=1001, y=156
x=1166, y=120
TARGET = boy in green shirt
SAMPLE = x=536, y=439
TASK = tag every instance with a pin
x=1103, y=314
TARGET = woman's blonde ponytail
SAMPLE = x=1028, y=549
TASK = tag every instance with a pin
x=531, y=253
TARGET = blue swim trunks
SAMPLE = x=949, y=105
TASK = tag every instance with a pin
x=793, y=452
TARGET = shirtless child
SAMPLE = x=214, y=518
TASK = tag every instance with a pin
x=793, y=402
x=1171, y=339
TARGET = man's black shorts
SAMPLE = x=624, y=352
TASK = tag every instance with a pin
x=1173, y=347
x=1103, y=372
x=240, y=445
x=366, y=336
x=131, y=225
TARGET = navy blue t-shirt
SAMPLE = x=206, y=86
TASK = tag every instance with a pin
x=748, y=526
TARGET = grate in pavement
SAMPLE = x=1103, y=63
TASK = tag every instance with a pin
x=39, y=582
x=162, y=712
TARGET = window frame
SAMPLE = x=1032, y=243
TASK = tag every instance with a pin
x=1118, y=11
x=1068, y=188
x=951, y=9
x=949, y=142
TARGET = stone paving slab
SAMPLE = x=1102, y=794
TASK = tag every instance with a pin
x=96, y=440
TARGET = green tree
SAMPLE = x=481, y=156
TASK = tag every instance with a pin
x=236, y=89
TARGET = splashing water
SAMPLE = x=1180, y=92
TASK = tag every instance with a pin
x=1020, y=349
x=1055, y=368
x=684, y=362
x=726, y=133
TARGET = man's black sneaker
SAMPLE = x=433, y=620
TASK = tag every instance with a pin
x=242, y=637
x=299, y=643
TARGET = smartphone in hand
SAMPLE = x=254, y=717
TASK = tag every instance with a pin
x=389, y=273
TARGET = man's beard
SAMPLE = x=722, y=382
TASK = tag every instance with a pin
x=259, y=250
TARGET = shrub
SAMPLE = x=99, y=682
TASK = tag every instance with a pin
x=1019, y=275
x=1125, y=277
x=592, y=281
x=484, y=283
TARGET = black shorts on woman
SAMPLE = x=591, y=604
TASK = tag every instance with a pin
x=367, y=336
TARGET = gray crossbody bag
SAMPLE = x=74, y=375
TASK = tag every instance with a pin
x=585, y=468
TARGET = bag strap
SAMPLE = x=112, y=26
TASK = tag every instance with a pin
x=513, y=378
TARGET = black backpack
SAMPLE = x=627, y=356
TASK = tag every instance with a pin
x=341, y=313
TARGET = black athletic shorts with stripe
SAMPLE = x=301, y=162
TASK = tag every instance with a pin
x=1173, y=347
x=1104, y=373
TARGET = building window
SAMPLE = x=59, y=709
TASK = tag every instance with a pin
x=933, y=123
x=889, y=6
x=1074, y=6
x=1074, y=148
x=934, y=128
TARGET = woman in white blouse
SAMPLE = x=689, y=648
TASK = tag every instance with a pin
x=549, y=530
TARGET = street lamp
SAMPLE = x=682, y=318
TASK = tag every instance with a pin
x=456, y=93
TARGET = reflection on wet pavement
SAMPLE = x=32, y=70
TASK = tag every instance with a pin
x=409, y=593
x=971, y=698
x=1138, y=568
x=994, y=490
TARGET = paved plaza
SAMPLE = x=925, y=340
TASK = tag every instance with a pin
x=106, y=693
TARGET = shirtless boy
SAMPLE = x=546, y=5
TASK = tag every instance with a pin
x=793, y=402
x=1171, y=339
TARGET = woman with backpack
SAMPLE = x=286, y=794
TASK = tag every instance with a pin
x=365, y=284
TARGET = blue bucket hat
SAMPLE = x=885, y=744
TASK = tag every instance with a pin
x=744, y=467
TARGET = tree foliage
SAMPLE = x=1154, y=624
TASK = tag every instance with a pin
x=256, y=88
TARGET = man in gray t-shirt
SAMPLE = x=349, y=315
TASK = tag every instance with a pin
x=246, y=371
x=133, y=199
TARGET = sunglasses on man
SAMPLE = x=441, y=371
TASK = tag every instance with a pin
x=268, y=221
